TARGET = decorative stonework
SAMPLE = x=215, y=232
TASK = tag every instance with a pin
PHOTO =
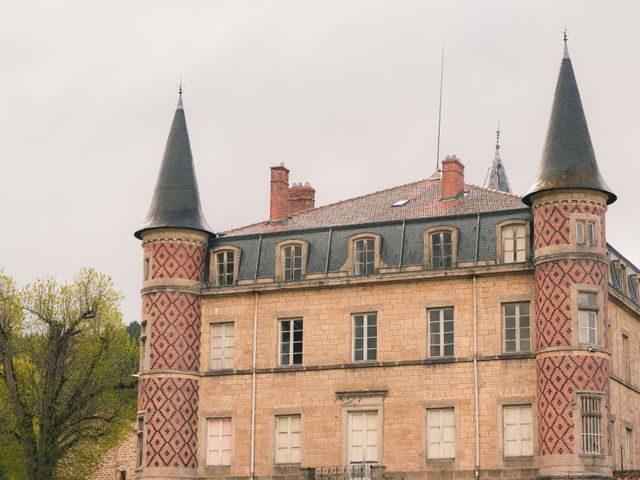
x=553, y=297
x=552, y=222
x=174, y=330
x=175, y=259
x=559, y=378
x=171, y=428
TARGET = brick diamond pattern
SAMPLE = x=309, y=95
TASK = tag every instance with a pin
x=559, y=377
x=553, y=297
x=171, y=428
x=174, y=330
x=176, y=259
x=552, y=222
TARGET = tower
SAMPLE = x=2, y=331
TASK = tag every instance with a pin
x=569, y=201
x=174, y=238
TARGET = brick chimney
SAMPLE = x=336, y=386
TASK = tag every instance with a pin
x=452, y=177
x=301, y=198
x=279, y=206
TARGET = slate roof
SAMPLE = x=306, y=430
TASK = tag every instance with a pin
x=424, y=202
x=568, y=159
x=497, y=177
x=176, y=201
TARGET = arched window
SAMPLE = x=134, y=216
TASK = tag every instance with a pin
x=440, y=248
x=225, y=264
x=363, y=257
x=291, y=260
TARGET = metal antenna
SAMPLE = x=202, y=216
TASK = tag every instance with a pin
x=440, y=111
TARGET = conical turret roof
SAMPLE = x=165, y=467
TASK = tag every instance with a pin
x=568, y=159
x=176, y=201
x=497, y=175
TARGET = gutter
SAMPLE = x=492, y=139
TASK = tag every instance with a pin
x=476, y=409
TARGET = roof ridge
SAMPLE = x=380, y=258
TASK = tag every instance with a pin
x=267, y=222
x=510, y=194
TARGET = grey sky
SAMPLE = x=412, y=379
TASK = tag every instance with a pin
x=344, y=92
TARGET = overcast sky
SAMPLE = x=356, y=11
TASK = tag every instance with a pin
x=344, y=92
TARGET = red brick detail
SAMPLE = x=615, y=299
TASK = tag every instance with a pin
x=176, y=259
x=552, y=222
x=559, y=377
x=301, y=198
x=553, y=297
x=171, y=427
x=452, y=177
x=279, y=204
x=174, y=330
x=119, y=459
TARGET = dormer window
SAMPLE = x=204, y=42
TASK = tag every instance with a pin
x=363, y=256
x=291, y=260
x=441, y=244
x=364, y=263
x=512, y=241
x=226, y=260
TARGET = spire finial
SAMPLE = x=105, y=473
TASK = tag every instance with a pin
x=180, y=85
x=565, y=32
x=498, y=138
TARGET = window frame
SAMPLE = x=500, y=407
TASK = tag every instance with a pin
x=518, y=327
x=291, y=343
x=430, y=455
x=224, y=326
x=500, y=228
x=628, y=460
x=141, y=418
x=349, y=432
x=280, y=259
x=577, y=219
x=220, y=450
x=213, y=270
x=581, y=397
x=588, y=309
x=144, y=345
x=365, y=339
x=349, y=265
x=520, y=406
x=289, y=432
x=441, y=333
x=427, y=252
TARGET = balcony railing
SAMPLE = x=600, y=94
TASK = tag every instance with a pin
x=626, y=474
x=357, y=471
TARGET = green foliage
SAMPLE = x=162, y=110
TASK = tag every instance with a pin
x=66, y=386
x=134, y=331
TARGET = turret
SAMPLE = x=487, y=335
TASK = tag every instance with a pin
x=497, y=175
x=174, y=239
x=569, y=200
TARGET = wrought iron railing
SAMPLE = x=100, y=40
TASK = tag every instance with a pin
x=626, y=474
x=356, y=471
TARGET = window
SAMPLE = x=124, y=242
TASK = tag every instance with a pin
x=586, y=232
x=365, y=336
x=222, y=346
x=626, y=359
x=622, y=277
x=292, y=263
x=145, y=269
x=628, y=460
x=441, y=436
x=225, y=268
x=441, y=250
x=514, y=243
x=143, y=345
x=363, y=437
x=219, y=441
x=441, y=332
x=122, y=475
x=140, y=440
x=588, y=318
x=291, y=342
x=364, y=262
x=288, y=439
x=517, y=431
x=591, y=424
x=517, y=327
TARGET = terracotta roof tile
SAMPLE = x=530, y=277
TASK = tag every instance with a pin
x=424, y=202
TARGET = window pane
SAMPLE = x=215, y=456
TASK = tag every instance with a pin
x=580, y=232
